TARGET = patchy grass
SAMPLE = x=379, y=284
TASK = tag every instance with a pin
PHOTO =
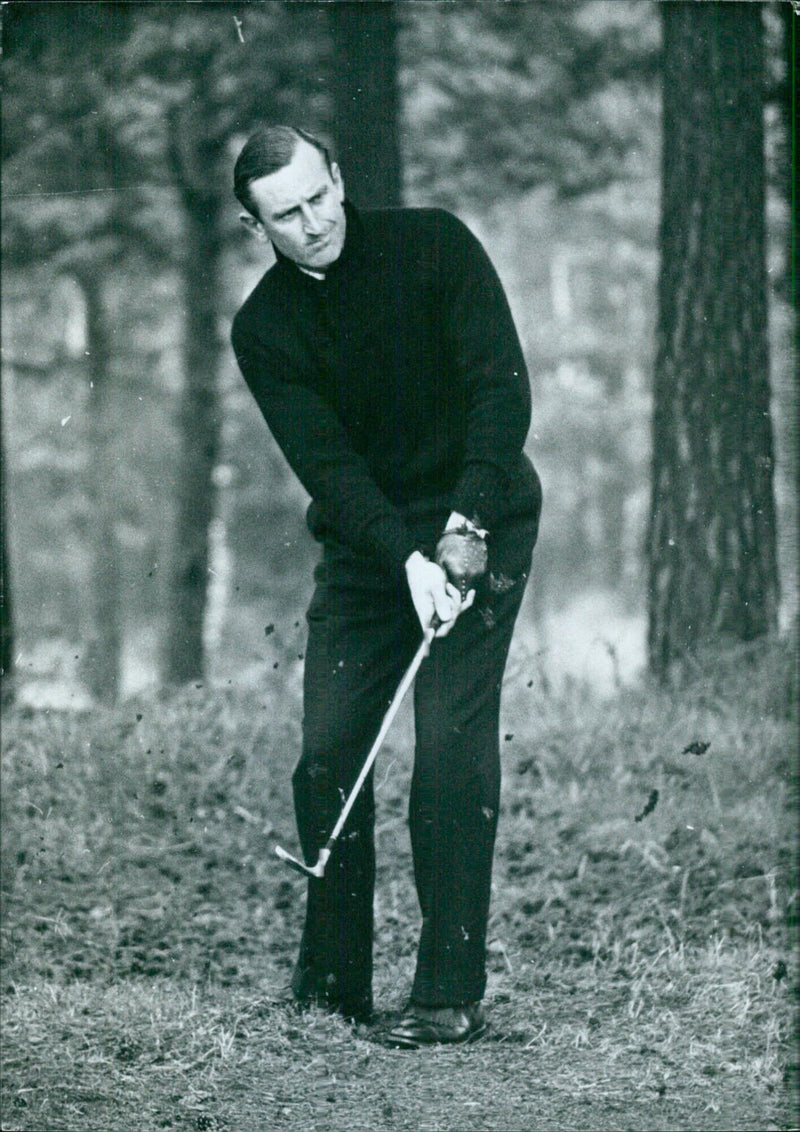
x=642, y=973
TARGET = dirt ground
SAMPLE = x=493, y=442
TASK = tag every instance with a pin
x=641, y=958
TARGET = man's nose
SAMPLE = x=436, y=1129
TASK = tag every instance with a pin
x=312, y=223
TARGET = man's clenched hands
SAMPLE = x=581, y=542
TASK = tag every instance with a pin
x=432, y=593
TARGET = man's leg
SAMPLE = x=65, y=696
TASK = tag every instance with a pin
x=356, y=652
x=455, y=792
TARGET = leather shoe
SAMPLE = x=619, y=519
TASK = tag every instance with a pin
x=445, y=1025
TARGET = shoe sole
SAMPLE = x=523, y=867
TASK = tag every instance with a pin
x=409, y=1043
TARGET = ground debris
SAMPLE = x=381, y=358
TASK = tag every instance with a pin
x=697, y=747
x=649, y=806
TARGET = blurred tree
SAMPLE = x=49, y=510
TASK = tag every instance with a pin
x=118, y=126
x=781, y=50
x=196, y=77
x=366, y=104
x=105, y=647
x=6, y=614
x=63, y=215
x=503, y=97
x=712, y=539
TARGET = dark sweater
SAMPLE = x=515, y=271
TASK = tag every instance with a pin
x=396, y=386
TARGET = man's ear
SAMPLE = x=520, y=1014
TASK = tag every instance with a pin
x=255, y=227
x=336, y=177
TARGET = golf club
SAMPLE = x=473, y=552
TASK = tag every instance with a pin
x=318, y=870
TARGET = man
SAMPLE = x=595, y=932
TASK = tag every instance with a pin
x=382, y=353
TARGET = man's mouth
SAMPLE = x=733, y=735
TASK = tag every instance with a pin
x=319, y=242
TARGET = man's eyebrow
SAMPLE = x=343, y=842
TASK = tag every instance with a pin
x=293, y=207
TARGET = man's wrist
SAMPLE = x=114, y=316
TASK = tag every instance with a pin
x=460, y=523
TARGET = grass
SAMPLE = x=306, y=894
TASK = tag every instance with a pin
x=642, y=972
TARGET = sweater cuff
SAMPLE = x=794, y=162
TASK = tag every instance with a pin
x=479, y=494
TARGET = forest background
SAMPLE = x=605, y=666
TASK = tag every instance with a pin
x=143, y=490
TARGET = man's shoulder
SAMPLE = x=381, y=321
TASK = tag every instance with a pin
x=263, y=297
x=420, y=233
x=431, y=220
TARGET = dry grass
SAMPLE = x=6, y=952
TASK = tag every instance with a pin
x=642, y=973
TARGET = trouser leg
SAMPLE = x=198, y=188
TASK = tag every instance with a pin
x=455, y=791
x=354, y=659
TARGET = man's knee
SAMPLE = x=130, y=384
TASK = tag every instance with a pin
x=324, y=774
x=439, y=737
x=308, y=770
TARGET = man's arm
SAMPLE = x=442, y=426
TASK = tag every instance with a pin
x=487, y=355
x=321, y=455
x=319, y=452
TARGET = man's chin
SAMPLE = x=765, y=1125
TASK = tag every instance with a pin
x=326, y=253
x=321, y=262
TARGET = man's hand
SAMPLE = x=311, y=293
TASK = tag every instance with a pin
x=461, y=552
x=432, y=594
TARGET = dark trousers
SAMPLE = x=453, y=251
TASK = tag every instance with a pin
x=363, y=633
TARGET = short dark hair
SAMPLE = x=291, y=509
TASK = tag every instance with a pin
x=266, y=151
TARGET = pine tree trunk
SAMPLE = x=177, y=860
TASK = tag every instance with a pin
x=103, y=660
x=6, y=616
x=199, y=424
x=366, y=100
x=790, y=21
x=712, y=538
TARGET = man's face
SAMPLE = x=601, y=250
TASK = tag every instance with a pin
x=301, y=209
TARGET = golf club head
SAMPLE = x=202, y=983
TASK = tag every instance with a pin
x=318, y=870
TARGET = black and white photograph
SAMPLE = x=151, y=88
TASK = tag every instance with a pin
x=399, y=572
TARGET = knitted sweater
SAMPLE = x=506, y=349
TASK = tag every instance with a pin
x=396, y=386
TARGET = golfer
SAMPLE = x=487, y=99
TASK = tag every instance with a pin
x=382, y=354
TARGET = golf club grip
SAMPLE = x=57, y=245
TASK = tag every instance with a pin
x=405, y=684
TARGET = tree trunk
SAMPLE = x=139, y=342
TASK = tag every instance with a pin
x=790, y=18
x=103, y=661
x=6, y=616
x=366, y=100
x=712, y=539
x=199, y=424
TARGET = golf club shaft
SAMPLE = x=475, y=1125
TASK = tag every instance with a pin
x=405, y=684
x=318, y=869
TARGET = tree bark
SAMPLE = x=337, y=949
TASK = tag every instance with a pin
x=199, y=427
x=712, y=537
x=366, y=105
x=6, y=615
x=103, y=660
x=790, y=18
